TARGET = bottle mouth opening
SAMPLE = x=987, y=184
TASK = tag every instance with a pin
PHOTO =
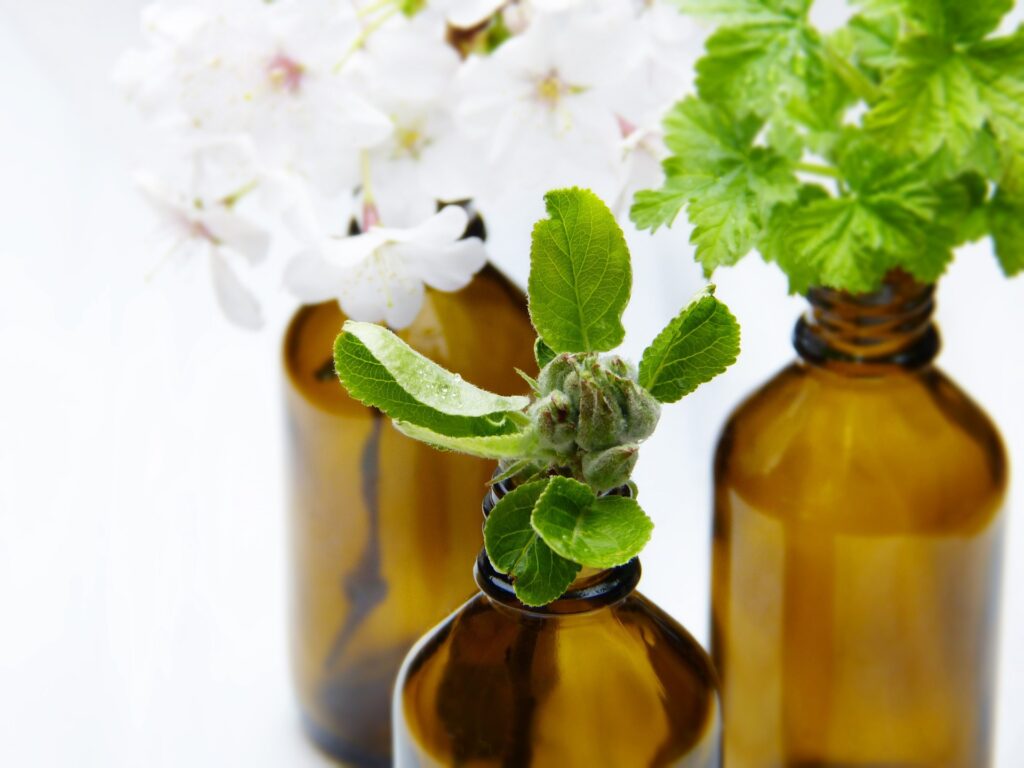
x=600, y=590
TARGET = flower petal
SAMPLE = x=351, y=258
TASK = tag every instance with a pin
x=235, y=299
x=447, y=267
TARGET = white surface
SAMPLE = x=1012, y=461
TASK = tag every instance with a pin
x=141, y=526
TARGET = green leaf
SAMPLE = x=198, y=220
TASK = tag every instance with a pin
x=598, y=533
x=743, y=11
x=542, y=353
x=961, y=21
x=580, y=275
x=998, y=68
x=889, y=217
x=930, y=100
x=514, y=547
x=697, y=345
x=728, y=184
x=380, y=370
x=941, y=94
x=513, y=445
x=1006, y=218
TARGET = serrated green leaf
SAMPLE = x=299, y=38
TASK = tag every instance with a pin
x=380, y=370
x=598, y=533
x=743, y=11
x=697, y=345
x=961, y=21
x=542, y=353
x=870, y=41
x=514, y=547
x=514, y=445
x=580, y=274
x=930, y=100
x=728, y=184
x=1006, y=218
x=889, y=217
x=998, y=68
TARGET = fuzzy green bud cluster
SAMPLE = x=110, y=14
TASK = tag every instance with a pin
x=591, y=415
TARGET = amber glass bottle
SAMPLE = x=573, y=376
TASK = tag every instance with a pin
x=600, y=677
x=857, y=549
x=382, y=526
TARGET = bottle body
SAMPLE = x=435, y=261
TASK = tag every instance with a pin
x=382, y=526
x=600, y=677
x=857, y=556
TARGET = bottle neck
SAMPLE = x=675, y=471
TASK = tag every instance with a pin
x=873, y=333
x=592, y=590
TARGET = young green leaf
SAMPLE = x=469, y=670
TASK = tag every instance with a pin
x=507, y=446
x=745, y=11
x=929, y=101
x=381, y=370
x=954, y=21
x=729, y=184
x=941, y=95
x=889, y=217
x=697, y=345
x=580, y=275
x=513, y=547
x=1006, y=216
x=599, y=533
x=542, y=353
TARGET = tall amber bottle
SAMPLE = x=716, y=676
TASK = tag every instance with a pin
x=857, y=549
x=382, y=526
x=600, y=677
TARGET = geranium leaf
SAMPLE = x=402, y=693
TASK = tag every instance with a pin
x=580, y=275
x=697, y=345
x=598, y=533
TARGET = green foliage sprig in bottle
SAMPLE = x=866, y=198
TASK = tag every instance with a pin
x=578, y=435
x=911, y=118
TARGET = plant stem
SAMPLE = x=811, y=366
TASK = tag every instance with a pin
x=819, y=170
x=855, y=80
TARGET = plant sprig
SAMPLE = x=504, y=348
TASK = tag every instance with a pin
x=885, y=144
x=578, y=436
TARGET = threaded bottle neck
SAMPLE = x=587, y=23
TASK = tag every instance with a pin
x=872, y=333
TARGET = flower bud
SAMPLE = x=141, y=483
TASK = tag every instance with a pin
x=619, y=367
x=553, y=375
x=601, y=421
x=610, y=468
x=640, y=409
x=556, y=422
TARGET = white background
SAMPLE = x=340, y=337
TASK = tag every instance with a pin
x=142, y=563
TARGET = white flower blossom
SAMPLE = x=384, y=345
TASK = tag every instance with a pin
x=365, y=110
x=379, y=275
x=199, y=221
x=266, y=70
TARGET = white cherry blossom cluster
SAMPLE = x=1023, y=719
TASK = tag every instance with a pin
x=364, y=127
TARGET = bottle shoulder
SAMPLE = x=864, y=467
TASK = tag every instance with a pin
x=627, y=672
x=907, y=449
x=482, y=332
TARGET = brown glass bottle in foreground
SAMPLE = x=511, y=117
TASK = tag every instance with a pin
x=382, y=526
x=857, y=550
x=600, y=677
